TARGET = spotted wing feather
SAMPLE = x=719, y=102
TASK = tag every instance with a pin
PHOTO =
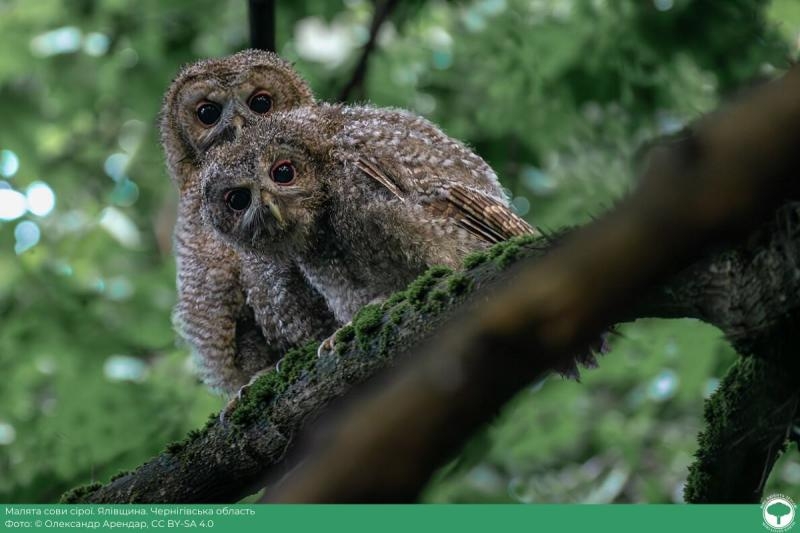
x=474, y=211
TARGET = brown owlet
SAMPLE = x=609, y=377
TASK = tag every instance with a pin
x=363, y=199
x=228, y=327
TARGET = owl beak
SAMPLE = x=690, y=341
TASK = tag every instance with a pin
x=238, y=123
x=269, y=201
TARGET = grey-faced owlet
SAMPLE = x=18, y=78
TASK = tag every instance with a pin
x=363, y=199
x=234, y=332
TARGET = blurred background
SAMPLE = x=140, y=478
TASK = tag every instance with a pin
x=558, y=95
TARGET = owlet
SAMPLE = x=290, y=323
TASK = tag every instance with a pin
x=208, y=104
x=362, y=199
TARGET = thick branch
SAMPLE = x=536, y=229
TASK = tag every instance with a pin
x=225, y=462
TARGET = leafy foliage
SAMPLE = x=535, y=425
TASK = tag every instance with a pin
x=557, y=94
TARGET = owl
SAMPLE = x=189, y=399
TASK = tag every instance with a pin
x=234, y=332
x=362, y=199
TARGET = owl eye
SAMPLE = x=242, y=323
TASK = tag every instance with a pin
x=260, y=102
x=208, y=113
x=283, y=172
x=238, y=199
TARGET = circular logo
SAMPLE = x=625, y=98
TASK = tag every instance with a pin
x=778, y=512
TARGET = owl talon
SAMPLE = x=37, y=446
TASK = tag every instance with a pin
x=327, y=346
x=230, y=407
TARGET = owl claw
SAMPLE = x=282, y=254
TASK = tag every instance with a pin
x=327, y=346
x=230, y=407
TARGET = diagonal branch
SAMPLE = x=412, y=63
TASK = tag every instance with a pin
x=356, y=82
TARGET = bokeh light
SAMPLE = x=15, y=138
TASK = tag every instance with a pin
x=7, y=434
x=521, y=205
x=40, y=198
x=663, y=386
x=330, y=44
x=124, y=368
x=9, y=163
x=61, y=41
x=12, y=204
x=537, y=181
x=120, y=226
x=125, y=193
x=96, y=44
x=663, y=5
x=115, y=165
x=130, y=135
x=27, y=235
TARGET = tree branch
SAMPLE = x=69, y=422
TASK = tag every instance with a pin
x=356, y=82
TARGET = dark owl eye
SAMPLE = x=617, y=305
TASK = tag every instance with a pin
x=282, y=172
x=260, y=102
x=208, y=113
x=238, y=199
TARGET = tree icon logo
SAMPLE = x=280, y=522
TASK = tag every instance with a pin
x=778, y=512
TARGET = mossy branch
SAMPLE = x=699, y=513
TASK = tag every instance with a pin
x=224, y=462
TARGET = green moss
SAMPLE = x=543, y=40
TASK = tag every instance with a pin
x=474, y=259
x=174, y=448
x=212, y=421
x=192, y=436
x=345, y=334
x=503, y=253
x=367, y=322
x=398, y=312
x=418, y=290
x=252, y=403
x=459, y=284
x=436, y=300
x=78, y=494
x=395, y=299
x=296, y=361
x=509, y=254
x=118, y=475
x=752, y=395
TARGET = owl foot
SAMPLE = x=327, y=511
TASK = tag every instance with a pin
x=328, y=345
x=230, y=407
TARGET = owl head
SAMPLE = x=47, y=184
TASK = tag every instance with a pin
x=266, y=191
x=212, y=100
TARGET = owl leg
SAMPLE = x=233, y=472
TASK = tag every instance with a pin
x=209, y=303
x=288, y=309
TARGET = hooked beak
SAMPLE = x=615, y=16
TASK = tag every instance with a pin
x=269, y=201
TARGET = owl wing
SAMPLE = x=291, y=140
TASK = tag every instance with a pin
x=476, y=212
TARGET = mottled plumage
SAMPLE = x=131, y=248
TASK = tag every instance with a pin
x=234, y=332
x=362, y=199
